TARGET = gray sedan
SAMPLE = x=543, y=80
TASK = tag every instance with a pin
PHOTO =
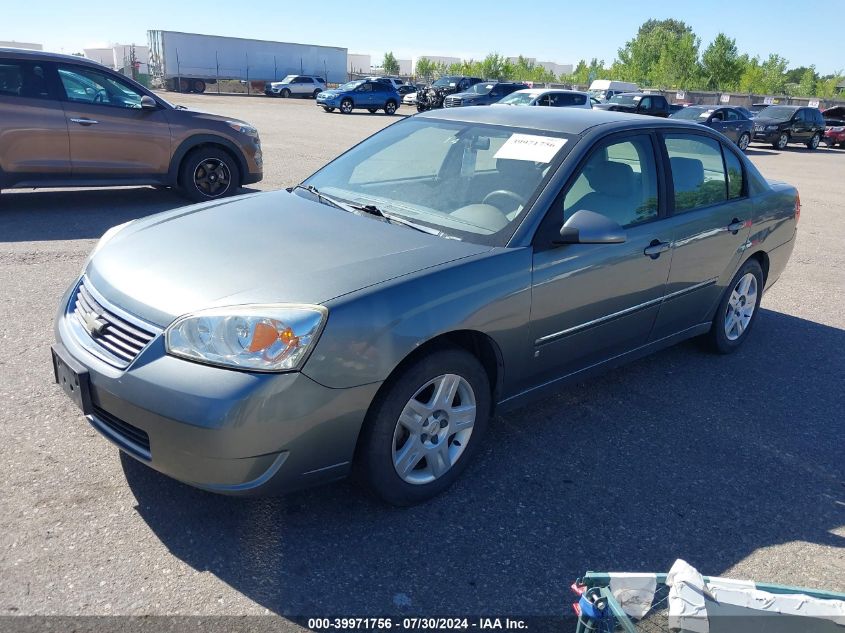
x=731, y=122
x=372, y=318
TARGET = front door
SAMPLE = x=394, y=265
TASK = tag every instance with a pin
x=33, y=132
x=710, y=218
x=111, y=136
x=591, y=302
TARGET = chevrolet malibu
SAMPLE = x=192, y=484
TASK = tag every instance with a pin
x=372, y=318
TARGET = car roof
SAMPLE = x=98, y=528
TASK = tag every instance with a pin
x=565, y=120
x=23, y=53
x=541, y=91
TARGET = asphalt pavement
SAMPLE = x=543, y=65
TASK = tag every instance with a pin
x=733, y=463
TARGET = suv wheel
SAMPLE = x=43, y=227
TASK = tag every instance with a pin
x=285, y=93
x=346, y=106
x=813, y=143
x=209, y=173
x=782, y=141
x=425, y=428
x=315, y=93
x=390, y=107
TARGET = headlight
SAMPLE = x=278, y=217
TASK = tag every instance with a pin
x=771, y=127
x=243, y=128
x=255, y=338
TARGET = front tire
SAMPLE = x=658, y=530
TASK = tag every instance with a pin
x=782, y=141
x=284, y=94
x=208, y=174
x=424, y=428
x=346, y=106
x=737, y=310
x=744, y=141
x=813, y=143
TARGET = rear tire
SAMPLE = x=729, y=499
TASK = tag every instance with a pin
x=744, y=141
x=315, y=93
x=737, y=310
x=813, y=143
x=390, y=108
x=198, y=86
x=208, y=173
x=436, y=438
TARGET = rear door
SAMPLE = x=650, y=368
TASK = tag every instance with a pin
x=801, y=126
x=111, y=136
x=34, y=139
x=710, y=220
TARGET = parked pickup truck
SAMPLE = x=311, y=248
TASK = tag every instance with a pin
x=636, y=103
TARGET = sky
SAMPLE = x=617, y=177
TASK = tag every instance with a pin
x=548, y=30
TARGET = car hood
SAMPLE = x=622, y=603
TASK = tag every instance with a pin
x=836, y=112
x=261, y=248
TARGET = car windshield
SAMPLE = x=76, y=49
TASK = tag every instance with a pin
x=625, y=99
x=288, y=79
x=446, y=82
x=692, y=113
x=777, y=113
x=352, y=85
x=482, y=88
x=519, y=98
x=468, y=181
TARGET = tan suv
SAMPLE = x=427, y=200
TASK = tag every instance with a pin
x=69, y=122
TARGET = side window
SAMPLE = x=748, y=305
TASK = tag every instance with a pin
x=23, y=79
x=578, y=99
x=732, y=115
x=365, y=88
x=735, y=174
x=698, y=174
x=88, y=85
x=545, y=100
x=645, y=103
x=620, y=181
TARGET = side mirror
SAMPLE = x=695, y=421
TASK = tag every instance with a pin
x=589, y=227
x=148, y=103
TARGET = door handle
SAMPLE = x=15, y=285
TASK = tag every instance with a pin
x=735, y=226
x=85, y=121
x=656, y=247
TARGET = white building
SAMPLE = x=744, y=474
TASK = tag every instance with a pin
x=556, y=69
x=406, y=67
x=27, y=45
x=118, y=56
x=358, y=63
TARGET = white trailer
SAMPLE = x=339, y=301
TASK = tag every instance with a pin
x=189, y=61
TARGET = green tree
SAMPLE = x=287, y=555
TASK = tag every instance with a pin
x=752, y=79
x=827, y=87
x=494, y=66
x=677, y=65
x=584, y=73
x=638, y=59
x=774, y=74
x=720, y=64
x=807, y=84
x=425, y=68
x=390, y=65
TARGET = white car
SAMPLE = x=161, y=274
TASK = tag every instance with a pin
x=394, y=81
x=295, y=86
x=554, y=97
x=410, y=99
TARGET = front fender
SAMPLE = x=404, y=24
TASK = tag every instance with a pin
x=370, y=332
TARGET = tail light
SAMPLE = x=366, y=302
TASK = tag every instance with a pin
x=797, y=207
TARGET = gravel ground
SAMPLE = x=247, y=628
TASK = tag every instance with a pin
x=732, y=463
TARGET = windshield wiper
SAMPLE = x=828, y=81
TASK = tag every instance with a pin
x=370, y=209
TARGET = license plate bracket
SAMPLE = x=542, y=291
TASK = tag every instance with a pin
x=72, y=378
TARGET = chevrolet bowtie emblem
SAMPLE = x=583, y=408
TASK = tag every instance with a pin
x=93, y=323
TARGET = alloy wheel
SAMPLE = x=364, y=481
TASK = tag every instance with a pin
x=433, y=429
x=346, y=106
x=212, y=177
x=783, y=139
x=741, y=306
x=744, y=140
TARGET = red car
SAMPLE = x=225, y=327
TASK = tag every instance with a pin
x=834, y=126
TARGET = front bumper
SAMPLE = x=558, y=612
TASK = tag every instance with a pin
x=766, y=136
x=221, y=430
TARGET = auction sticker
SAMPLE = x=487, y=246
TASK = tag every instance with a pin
x=540, y=149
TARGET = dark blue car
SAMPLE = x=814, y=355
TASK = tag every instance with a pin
x=363, y=93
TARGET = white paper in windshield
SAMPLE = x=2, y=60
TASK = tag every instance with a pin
x=540, y=149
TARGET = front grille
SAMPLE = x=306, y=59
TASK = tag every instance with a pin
x=127, y=436
x=121, y=338
x=453, y=102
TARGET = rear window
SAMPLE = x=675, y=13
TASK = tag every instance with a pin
x=23, y=79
